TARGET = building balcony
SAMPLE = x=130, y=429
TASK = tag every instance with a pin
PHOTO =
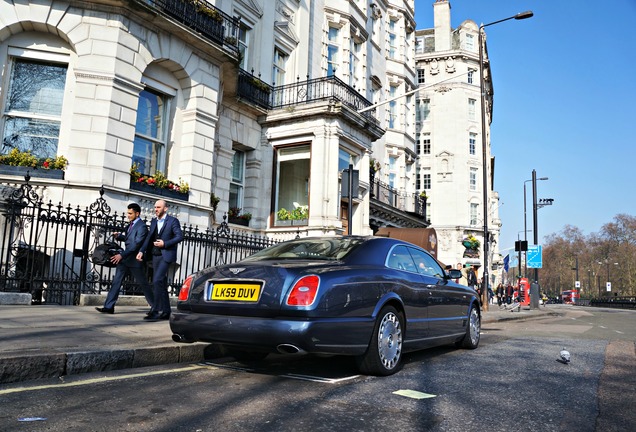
x=202, y=17
x=391, y=207
x=304, y=92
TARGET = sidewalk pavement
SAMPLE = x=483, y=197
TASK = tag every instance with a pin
x=50, y=341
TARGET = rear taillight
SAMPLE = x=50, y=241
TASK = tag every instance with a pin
x=304, y=291
x=184, y=292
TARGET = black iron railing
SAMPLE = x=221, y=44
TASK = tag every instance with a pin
x=331, y=88
x=327, y=88
x=391, y=196
x=202, y=17
x=254, y=89
x=45, y=248
x=613, y=302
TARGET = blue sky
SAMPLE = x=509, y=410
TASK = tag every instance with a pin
x=565, y=95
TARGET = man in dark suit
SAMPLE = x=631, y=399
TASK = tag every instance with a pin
x=165, y=235
x=126, y=261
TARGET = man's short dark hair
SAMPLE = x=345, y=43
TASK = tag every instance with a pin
x=134, y=207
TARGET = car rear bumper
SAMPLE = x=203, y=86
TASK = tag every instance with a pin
x=347, y=336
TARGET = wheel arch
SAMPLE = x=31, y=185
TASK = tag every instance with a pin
x=391, y=299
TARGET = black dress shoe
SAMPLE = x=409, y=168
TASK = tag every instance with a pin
x=157, y=317
x=105, y=310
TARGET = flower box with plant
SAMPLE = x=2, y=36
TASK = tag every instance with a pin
x=235, y=216
x=471, y=242
x=260, y=85
x=158, y=184
x=298, y=216
x=202, y=7
x=18, y=162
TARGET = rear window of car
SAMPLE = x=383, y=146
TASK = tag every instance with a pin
x=328, y=249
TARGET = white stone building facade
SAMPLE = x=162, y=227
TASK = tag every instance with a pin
x=449, y=137
x=111, y=84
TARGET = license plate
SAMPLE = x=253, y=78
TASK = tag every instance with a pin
x=235, y=292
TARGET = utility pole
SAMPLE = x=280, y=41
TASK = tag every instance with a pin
x=534, y=286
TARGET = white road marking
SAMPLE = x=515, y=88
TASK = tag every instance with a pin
x=98, y=380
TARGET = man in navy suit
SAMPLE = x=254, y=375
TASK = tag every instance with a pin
x=126, y=261
x=165, y=235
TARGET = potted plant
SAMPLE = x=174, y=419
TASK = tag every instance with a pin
x=300, y=215
x=214, y=201
x=235, y=216
x=471, y=242
x=283, y=217
x=20, y=163
x=260, y=85
x=158, y=184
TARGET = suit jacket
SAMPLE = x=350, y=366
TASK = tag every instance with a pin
x=171, y=235
x=133, y=241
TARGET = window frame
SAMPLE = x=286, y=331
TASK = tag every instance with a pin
x=43, y=58
x=473, y=179
x=243, y=44
x=167, y=95
x=472, y=143
x=426, y=181
x=393, y=39
x=238, y=183
x=333, y=50
x=285, y=154
x=393, y=108
x=355, y=54
x=473, y=213
x=472, y=108
x=279, y=64
x=421, y=76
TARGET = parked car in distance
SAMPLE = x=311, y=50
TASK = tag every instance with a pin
x=374, y=298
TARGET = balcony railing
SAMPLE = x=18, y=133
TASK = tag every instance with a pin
x=254, y=89
x=330, y=88
x=387, y=194
x=202, y=17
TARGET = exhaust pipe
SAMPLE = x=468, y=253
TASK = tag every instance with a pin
x=289, y=349
x=180, y=338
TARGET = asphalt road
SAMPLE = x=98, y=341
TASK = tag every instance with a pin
x=513, y=381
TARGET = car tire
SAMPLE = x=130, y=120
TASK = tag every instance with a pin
x=473, y=330
x=384, y=354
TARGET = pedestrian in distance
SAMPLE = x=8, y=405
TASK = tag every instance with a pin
x=509, y=293
x=164, y=236
x=471, y=277
x=500, y=294
x=133, y=238
x=461, y=280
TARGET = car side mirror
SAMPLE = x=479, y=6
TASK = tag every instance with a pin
x=454, y=274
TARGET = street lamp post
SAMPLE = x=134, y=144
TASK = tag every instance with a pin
x=486, y=276
x=607, y=263
x=534, y=286
x=525, y=222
